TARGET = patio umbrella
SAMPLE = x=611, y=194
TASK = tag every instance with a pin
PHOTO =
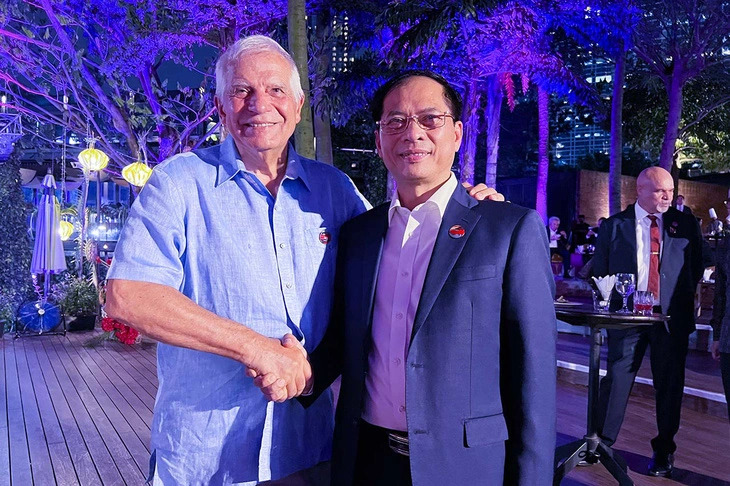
x=48, y=257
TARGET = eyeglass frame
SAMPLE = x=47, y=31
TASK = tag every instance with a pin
x=410, y=118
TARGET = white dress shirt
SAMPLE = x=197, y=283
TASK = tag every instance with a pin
x=553, y=239
x=406, y=254
x=643, y=247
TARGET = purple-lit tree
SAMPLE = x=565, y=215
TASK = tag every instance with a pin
x=608, y=26
x=97, y=67
x=680, y=40
x=478, y=46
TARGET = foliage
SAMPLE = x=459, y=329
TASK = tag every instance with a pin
x=703, y=135
x=76, y=296
x=15, y=245
x=99, y=66
x=8, y=311
x=680, y=41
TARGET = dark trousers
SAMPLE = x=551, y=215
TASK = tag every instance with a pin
x=377, y=464
x=725, y=369
x=626, y=348
x=565, y=255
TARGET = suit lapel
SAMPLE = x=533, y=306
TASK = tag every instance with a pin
x=668, y=268
x=369, y=249
x=446, y=251
x=627, y=232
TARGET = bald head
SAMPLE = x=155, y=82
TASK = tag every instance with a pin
x=655, y=190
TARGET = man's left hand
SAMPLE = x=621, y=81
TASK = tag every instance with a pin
x=480, y=192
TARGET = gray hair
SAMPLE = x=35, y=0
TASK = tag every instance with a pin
x=553, y=218
x=251, y=45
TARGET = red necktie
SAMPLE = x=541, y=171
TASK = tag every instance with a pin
x=653, y=286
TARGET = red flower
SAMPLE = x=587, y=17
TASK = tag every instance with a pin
x=107, y=324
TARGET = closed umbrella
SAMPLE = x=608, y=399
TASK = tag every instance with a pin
x=48, y=254
x=48, y=258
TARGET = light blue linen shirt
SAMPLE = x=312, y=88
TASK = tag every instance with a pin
x=208, y=227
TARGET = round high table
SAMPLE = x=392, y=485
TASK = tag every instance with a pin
x=591, y=448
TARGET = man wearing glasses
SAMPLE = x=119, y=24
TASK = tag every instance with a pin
x=443, y=326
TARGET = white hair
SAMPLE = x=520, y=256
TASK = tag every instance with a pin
x=553, y=218
x=251, y=45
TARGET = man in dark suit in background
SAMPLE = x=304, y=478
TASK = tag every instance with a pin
x=663, y=248
x=443, y=315
x=680, y=206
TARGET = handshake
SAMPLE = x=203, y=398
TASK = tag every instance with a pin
x=281, y=369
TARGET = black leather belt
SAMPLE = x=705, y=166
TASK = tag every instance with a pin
x=398, y=442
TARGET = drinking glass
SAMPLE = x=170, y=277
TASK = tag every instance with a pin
x=599, y=303
x=625, y=285
x=643, y=302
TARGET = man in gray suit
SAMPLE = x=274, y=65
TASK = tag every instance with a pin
x=663, y=248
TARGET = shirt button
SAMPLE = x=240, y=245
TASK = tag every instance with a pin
x=288, y=285
x=399, y=315
x=404, y=274
x=402, y=409
x=282, y=245
x=397, y=361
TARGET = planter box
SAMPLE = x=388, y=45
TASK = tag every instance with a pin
x=82, y=323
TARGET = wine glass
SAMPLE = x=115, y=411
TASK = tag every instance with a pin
x=625, y=285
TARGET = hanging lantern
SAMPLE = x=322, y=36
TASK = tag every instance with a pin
x=136, y=173
x=65, y=229
x=93, y=159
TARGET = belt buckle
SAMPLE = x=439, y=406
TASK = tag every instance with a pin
x=398, y=444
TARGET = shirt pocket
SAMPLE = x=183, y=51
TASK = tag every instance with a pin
x=478, y=272
x=321, y=239
x=487, y=430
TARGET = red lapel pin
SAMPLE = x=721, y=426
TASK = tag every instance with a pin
x=457, y=231
x=324, y=237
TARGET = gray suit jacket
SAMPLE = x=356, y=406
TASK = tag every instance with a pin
x=720, y=317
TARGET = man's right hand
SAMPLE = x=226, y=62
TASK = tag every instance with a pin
x=281, y=369
x=715, y=349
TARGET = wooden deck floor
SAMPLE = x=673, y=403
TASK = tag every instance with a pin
x=75, y=415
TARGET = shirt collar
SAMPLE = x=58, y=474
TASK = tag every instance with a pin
x=440, y=198
x=231, y=164
x=641, y=214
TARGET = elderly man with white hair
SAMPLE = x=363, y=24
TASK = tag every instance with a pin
x=227, y=250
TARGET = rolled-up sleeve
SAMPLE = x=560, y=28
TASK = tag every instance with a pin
x=151, y=247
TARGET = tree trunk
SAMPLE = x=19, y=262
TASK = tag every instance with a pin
x=492, y=116
x=542, y=152
x=674, y=92
x=323, y=131
x=297, y=26
x=322, y=123
x=471, y=132
x=614, y=171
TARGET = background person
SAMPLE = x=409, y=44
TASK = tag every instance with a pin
x=663, y=248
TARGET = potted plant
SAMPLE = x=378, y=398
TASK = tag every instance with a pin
x=7, y=314
x=79, y=300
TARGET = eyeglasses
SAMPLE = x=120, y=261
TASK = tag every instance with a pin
x=427, y=121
